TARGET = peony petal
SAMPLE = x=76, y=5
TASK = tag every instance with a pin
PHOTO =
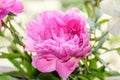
x=29, y=44
x=7, y=3
x=33, y=30
x=16, y=8
x=85, y=51
x=3, y=13
x=44, y=63
x=114, y=25
x=72, y=12
x=40, y=27
x=64, y=69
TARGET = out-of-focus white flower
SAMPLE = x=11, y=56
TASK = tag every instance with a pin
x=112, y=8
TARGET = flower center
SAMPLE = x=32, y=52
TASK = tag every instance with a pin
x=73, y=26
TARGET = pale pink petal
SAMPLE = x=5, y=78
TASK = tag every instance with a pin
x=29, y=44
x=33, y=30
x=74, y=12
x=7, y=3
x=17, y=7
x=58, y=18
x=64, y=69
x=44, y=63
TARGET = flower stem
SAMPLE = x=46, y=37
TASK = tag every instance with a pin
x=5, y=25
x=86, y=64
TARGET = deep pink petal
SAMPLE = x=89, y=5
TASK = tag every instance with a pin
x=3, y=13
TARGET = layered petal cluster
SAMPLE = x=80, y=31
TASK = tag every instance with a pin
x=6, y=6
x=59, y=39
x=112, y=8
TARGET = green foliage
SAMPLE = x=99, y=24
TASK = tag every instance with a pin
x=7, y=78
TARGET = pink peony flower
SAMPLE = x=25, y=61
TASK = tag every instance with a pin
x=6, y=6
x=59, y=39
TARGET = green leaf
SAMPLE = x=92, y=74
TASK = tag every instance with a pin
x=10, y=55
x=89, y=10
x=1, y=33
x=112, y=73
x=27, y=56
x=11, y=14
x=103, y=21
x=7, y=78
x=47, y=76
x=17, y=65
x=103, y=38
x=118, y=50
x=72, y=77
x=84, y=60
x=82, y=77
x=17, y=38
x=90, y=77
x=11, y=73
x=97, y=74
x=12, y=28
x=102, y=68
x=93, y=63
x=15, y=74
x=31, y=71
